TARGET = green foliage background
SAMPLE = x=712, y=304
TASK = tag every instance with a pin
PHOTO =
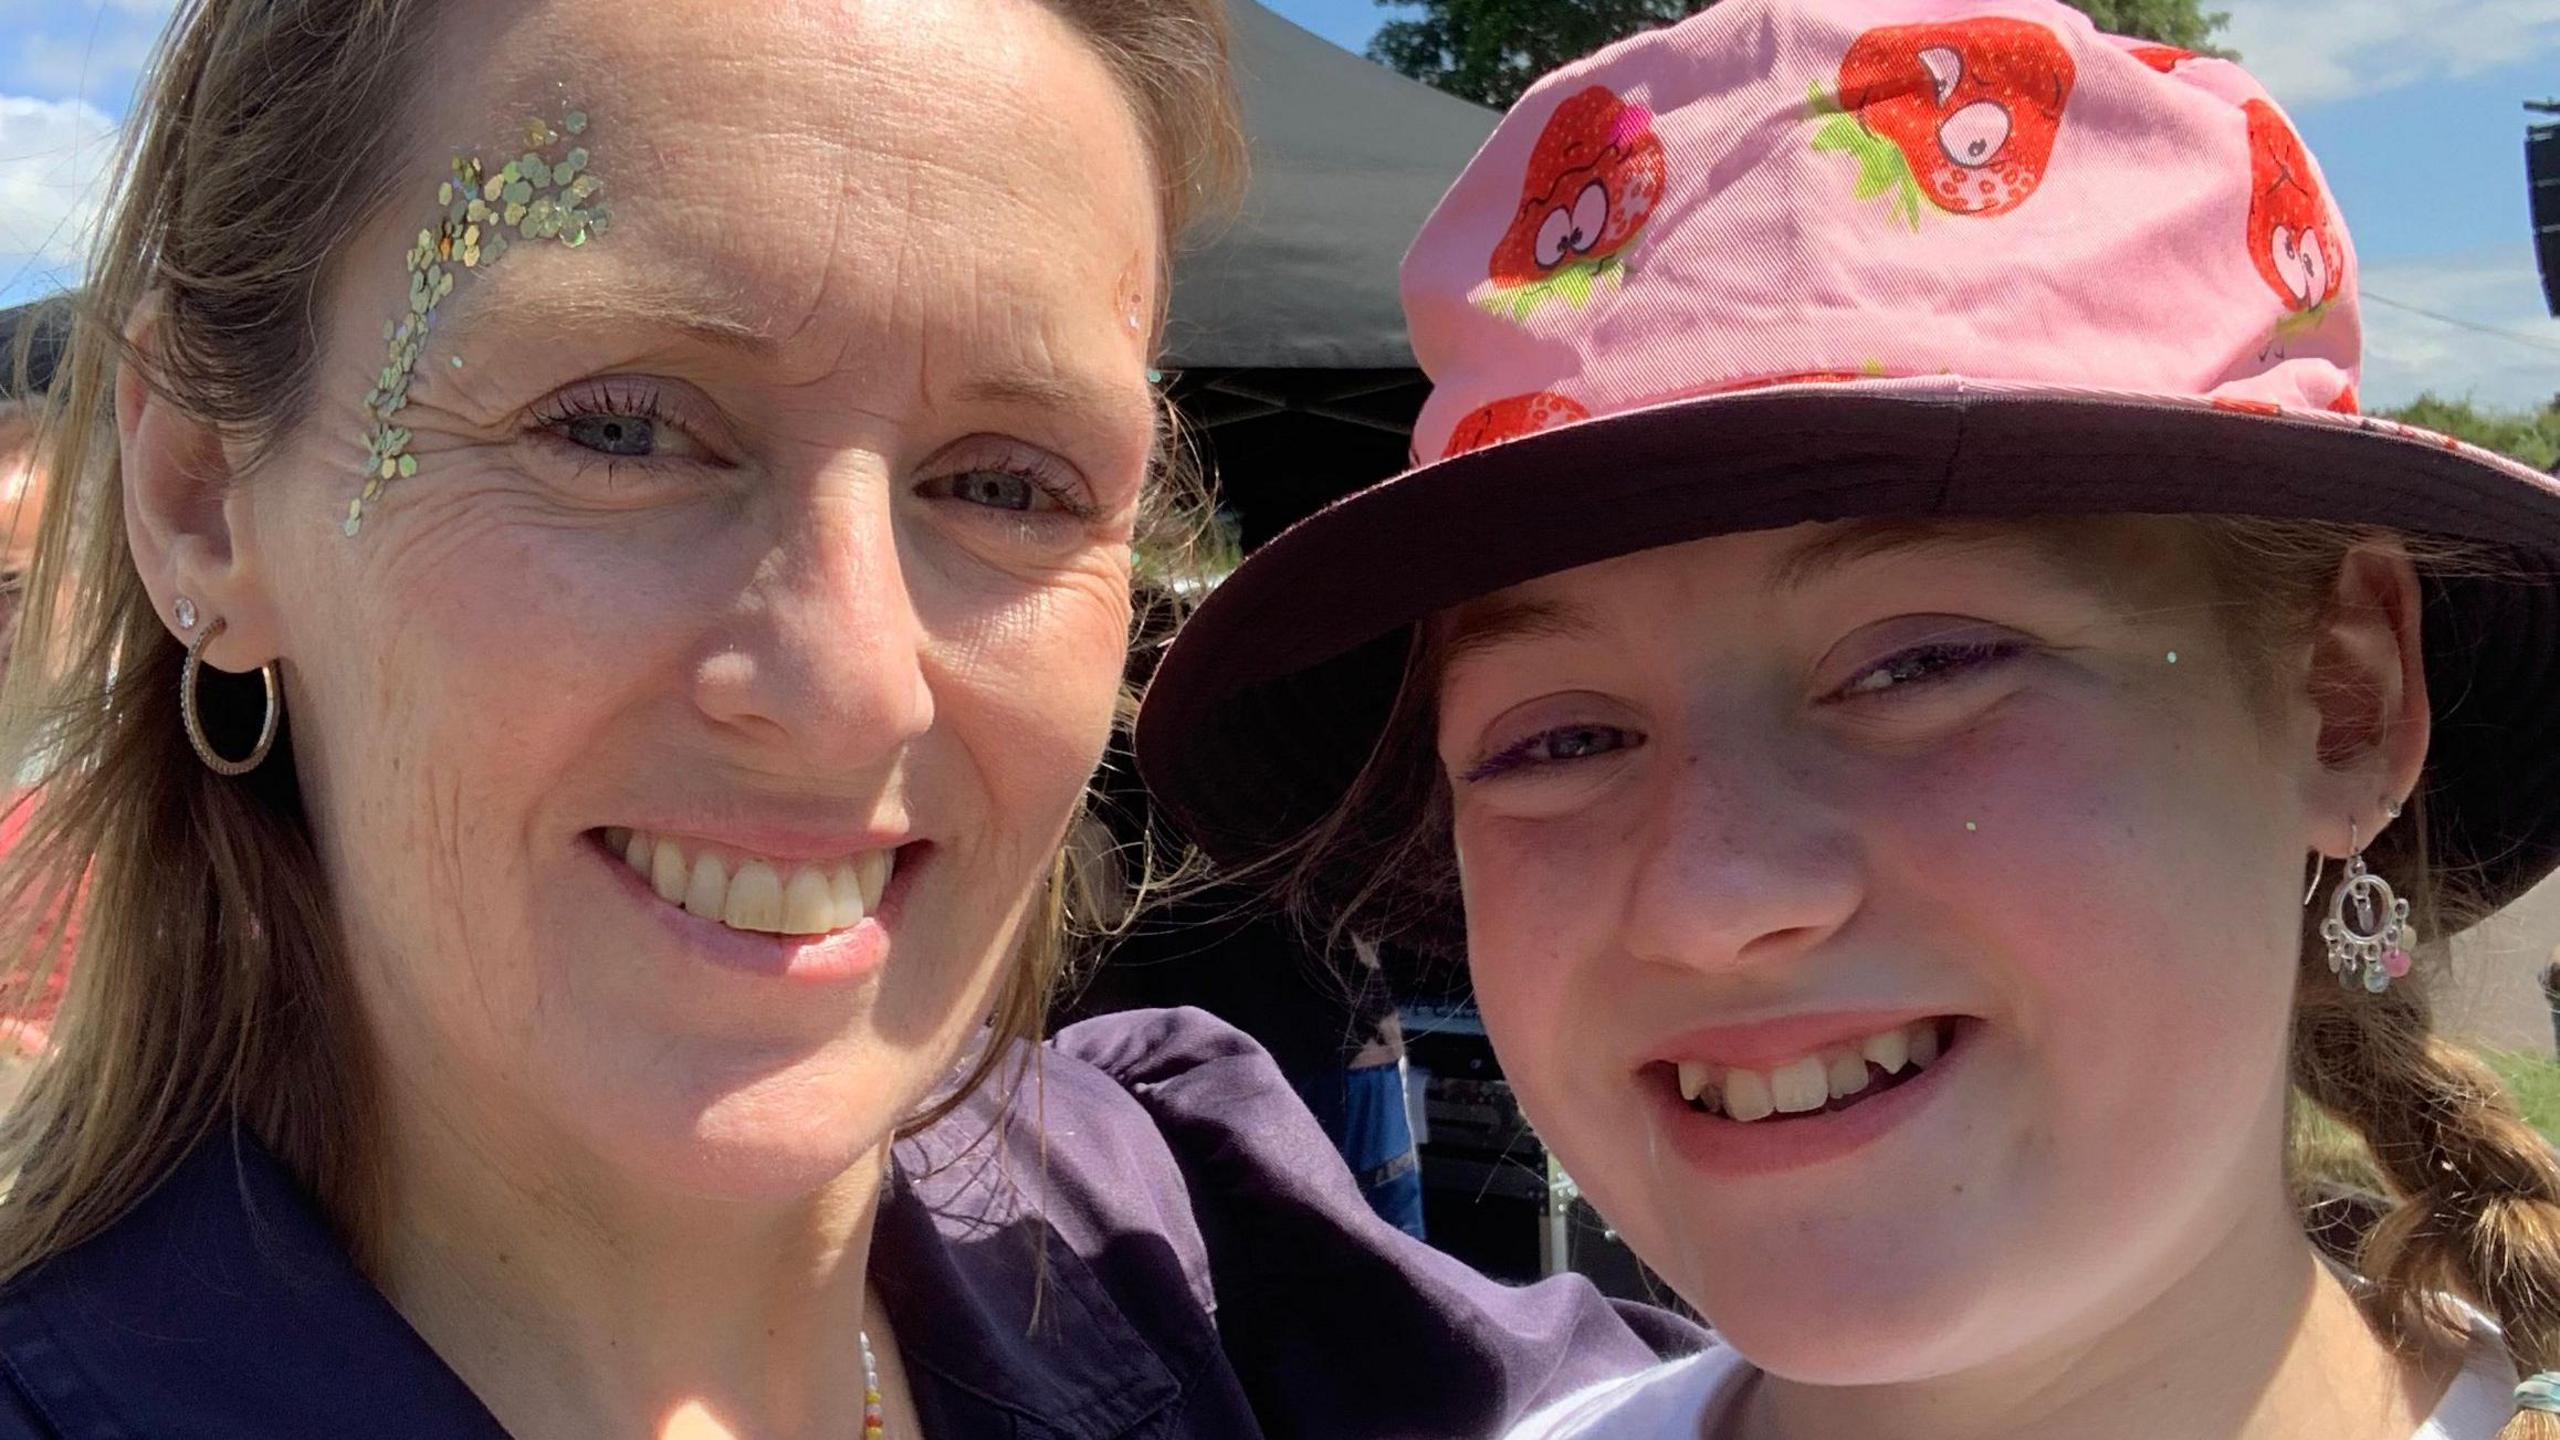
x=1489, y=50
x=2532, y=436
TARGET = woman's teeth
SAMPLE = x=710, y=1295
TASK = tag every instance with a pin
x=1810, y=1082
x=769, y=897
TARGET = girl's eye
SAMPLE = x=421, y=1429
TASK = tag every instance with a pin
x=1923, y=664
x=1561, y=746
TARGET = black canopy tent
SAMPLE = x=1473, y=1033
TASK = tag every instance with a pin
x=1286, y=341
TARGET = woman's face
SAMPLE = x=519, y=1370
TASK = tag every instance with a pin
x=784, y=525
x=1792, y=810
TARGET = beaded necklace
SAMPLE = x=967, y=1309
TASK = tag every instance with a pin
x=874, y=1424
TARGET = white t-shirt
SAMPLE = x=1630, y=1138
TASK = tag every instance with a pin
x=1680, y=1399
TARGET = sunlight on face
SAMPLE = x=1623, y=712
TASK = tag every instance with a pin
x=786, y=522
x=1973, y=914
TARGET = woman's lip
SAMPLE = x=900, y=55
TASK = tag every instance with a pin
x=1767, y=1044
x=1723, y=1148
x=852, y=954
x=801, y=844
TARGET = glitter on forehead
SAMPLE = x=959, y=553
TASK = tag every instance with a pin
x=534, y=197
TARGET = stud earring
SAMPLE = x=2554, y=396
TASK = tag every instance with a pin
x=2367, y=931
x=186, y=614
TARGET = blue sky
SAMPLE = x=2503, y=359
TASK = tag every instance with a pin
x=2413, y=107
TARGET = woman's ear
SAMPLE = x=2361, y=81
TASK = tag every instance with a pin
x=182, y=512
x=2368, y=687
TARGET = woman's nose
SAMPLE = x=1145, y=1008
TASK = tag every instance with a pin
x=828, y=653
x=1742, y=863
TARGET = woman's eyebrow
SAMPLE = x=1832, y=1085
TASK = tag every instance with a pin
x=601, y=298
x=1065, y=392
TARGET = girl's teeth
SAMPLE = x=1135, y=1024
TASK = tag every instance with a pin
x=1889, y=1051
x=1799, y=1086
x=1746, y=1096
x=1847, y=1073
x=760, y=895
x=1807, y=1084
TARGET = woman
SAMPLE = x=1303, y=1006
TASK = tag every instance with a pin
x=1901, y=607
x=604, y=533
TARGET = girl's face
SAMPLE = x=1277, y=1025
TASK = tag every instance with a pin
x=1778, y=815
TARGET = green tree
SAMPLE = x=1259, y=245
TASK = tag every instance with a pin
x=2532, y=436
x=1489, y=51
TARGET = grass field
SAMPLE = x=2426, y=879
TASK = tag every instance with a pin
x=2536, y=1082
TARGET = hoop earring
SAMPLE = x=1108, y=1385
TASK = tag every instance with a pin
x=2370, y=948
x=190, y=719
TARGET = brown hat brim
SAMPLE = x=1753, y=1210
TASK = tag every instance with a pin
x=1275, y=693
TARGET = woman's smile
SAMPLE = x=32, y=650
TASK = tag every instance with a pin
x=828, y=917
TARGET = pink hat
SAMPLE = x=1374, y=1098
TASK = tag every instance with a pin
x=1800, y=260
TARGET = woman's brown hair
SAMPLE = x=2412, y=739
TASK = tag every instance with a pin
x=2453, y=1193
x=208, y=982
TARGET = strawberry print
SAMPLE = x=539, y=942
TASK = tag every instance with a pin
x=1962, y=115
x=2163, y=58
x=1510, y=418
x=2292, y=231
x=1594, y=178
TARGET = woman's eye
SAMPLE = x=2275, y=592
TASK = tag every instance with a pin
x=1925, y=663
x=1022, y=484
x=1561, y=746
x=624, y=437
x=998, y=490
x=621, y=420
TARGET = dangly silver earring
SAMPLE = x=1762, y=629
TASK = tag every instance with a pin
x=2367, y=930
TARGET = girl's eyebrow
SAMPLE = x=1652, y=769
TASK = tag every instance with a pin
x=1493, y=621
x=2069, y=556
x=1825, y=554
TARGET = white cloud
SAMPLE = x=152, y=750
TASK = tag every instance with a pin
x=2406, y=352
x=2311, y=50
x=53, y=159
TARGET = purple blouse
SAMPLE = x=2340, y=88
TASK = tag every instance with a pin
x=1207, y=1269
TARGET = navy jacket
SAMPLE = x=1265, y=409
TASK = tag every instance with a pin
x=1211, y=1272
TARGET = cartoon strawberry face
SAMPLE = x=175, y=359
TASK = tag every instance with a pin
x=1961, y=114
x=1510, y=418
x=1594, y=178
x=2292, y=232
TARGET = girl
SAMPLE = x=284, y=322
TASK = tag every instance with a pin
x=1900, y=607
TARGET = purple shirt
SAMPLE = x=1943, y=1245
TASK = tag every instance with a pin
x=1210, y=1271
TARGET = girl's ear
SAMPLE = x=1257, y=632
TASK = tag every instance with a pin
x=183, y=513
x=2367, y=684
